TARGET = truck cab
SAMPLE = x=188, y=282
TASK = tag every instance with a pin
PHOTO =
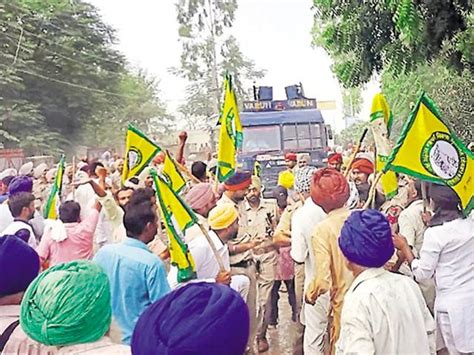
x=273, y=128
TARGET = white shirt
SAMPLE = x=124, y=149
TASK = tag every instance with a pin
x=412, y=226
x=15, y=226
x=207, y=267
x=448, y=255
x=385, y=313
x=114, y=214
x=6, y=217
x=86, y=197
x=303, y=222
x=194, y=231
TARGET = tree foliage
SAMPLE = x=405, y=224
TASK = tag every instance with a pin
x=452, y=93
x=364, y=37
x=352, y=134
x=208, y=51
x=352, y=101
x=62, y=81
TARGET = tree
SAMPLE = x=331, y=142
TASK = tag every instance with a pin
x=451, y=92
x=62, y=81
x=208, y=52
x=353, y=133
x=364, y=37
x=351, y=101
x=141, y=107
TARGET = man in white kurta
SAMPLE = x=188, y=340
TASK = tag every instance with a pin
x=303, y=221
x=207, y=267
x=383, y=312
x=447, y=256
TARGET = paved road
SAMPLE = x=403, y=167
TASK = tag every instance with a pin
x=281, y=338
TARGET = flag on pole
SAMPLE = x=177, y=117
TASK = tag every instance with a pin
x=177, y=217
x=139, y=151
x=257, y=169
x=381, y=120
x=51, y=210
x=172, y=174
x=230, y=136
x=429, y=150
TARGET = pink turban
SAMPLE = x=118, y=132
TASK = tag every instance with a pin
x=199, y=196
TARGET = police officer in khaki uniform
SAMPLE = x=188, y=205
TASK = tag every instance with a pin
x=241, y=260
x=260, y=219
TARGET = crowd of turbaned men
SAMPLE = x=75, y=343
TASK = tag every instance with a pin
x=394, y=278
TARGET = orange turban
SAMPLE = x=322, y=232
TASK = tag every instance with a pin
x=329, y=189
x=363, y=165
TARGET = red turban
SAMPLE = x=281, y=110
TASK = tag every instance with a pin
x=329, y=189
x=335, y=158
x=363, y=165
x=290, y=156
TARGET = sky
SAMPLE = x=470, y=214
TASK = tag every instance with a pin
x=276, y=34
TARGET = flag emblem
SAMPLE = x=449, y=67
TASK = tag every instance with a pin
x=134, y=158
x=429, y=150
x=139, y=151
x=442, y=157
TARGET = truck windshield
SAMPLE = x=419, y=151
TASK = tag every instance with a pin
x=261, y=138
x=302, y=136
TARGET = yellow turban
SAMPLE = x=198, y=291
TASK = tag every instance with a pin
x=222, y=216
x=286, y=179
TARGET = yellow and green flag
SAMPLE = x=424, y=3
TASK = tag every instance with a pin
x=230, y=136
x=51, y=210
x=172, y=174
x=429, y=150
x=257, y=169
x=177, y=217
x=381, y=120
x=139, y=151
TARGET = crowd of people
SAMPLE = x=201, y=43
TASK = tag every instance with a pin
x=362, y=273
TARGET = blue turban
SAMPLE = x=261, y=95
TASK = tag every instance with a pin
x=199, y=318
x=19, y=265
x=20, y=184
x=366, y=238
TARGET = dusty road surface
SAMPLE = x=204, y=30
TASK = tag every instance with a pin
x=281, y=337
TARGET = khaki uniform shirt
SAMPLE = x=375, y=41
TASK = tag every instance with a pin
x=260, y=219
x=284, y=225
x=242, y=235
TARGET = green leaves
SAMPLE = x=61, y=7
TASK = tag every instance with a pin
x=452, y=93
x=364, y=37
x=208, y=52
x=62, y=81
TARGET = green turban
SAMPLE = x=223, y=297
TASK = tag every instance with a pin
x=67, y=304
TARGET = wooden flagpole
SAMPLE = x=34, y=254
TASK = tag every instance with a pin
x=356, y=150
x=213, y=247
x=73, y=177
